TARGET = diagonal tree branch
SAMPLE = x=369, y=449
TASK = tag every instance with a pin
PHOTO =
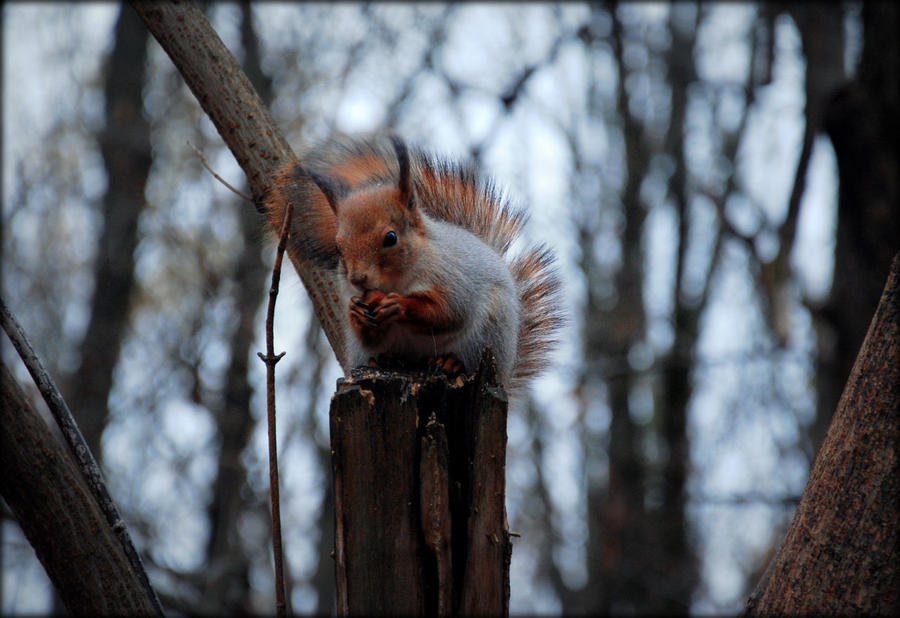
x=241, y=118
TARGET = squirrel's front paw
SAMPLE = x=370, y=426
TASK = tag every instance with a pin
x=389, y=309
x=360, y=314
x=364, y=323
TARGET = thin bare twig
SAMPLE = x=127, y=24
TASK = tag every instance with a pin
x=203, y=161
x=270, y=359
x=77, y=445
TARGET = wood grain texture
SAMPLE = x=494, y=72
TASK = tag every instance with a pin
x=401, y=439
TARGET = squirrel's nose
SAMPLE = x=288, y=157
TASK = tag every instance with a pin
x=359, y=280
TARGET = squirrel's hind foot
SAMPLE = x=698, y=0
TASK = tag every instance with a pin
x=390, y=362
x=449, y=365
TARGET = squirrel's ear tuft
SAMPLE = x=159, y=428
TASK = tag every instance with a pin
x=326, y=188
x=403, y=162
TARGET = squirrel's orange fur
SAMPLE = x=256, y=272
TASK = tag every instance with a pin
x=422, y=245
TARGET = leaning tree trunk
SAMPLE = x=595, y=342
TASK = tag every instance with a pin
x=419, y=479
x=62, y=521
x=840, y=555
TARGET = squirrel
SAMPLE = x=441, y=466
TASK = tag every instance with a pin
x=421, y=246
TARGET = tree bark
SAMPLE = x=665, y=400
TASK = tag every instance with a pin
x=54, y=506
x=419, y=479
x=840, y=554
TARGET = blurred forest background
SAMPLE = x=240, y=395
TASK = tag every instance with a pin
x=719, y=182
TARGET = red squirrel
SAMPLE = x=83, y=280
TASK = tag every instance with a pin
x=421, y=246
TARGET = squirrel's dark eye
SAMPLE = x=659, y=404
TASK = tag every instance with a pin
x=390, y=239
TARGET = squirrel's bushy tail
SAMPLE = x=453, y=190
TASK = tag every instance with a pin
x=539, y=289
x=458, y=193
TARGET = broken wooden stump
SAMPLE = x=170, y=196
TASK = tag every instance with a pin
x=419, y=465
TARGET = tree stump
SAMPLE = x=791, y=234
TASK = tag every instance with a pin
x=419, y=464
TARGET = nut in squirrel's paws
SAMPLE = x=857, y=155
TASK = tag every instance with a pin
x=370, y=298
